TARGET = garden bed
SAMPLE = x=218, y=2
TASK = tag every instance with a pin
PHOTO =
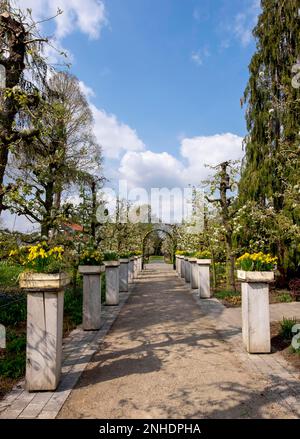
x=232, y=299
x=282, y=344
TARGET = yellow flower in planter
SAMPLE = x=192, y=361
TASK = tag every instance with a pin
x=257, y=262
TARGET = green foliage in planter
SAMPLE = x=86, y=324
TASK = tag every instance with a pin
x=40, y=258
x=124, y=255
x=286, y=328
x=204, y=254
x=111, y=256
x=90, y=256
x=135, y=253
x=256, y=262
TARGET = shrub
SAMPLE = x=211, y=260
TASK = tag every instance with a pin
x=294, y=286
x=286, y=328
x=284, y=298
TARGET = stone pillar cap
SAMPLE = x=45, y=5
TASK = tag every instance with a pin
x=91, y=269
x=255, y=276
x=124, y=261
x=204, y=261
x=192, y=260
x=111, y=263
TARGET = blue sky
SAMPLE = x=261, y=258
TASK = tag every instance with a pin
x=142, y=67
x=163, y=78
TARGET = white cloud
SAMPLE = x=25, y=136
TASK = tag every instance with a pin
x=208, y=150
x=148, y=169
x=88, y=17
x=114, y=136
x=86, y=90
x=245, y=21
x=199, y=56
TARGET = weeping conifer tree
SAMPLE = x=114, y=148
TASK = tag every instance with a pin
x=273, y=105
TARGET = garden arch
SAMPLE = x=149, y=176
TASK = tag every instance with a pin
x=169, y=234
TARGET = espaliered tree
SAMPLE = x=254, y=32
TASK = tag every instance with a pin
x=224, y=183
x=270, y=173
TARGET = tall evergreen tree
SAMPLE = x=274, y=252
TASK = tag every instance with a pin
x=273, y=105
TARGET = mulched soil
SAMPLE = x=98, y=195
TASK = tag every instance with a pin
x=279, y=344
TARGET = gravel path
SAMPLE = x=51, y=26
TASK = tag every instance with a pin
x=166, y=358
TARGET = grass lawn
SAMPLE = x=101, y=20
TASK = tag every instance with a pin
x=9, y=276
x=233, y=298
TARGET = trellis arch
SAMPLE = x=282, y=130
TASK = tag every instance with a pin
x=166, y=232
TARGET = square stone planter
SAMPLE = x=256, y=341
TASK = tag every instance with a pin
x=204, y=278
x=43, y=281
x=256, y=310
x=91, y=306
x=255, y=276
x=45, y=308
x=112, y=273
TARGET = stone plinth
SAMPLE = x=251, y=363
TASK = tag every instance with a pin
x=123, y=275
x=204, y=278
x=131, y=270
x=45, y=309
x=182, y=265
x=194, y=274
x=256, y=311
x=179, y=265
x=187, y=270
x=112, y=269
x=91, y=305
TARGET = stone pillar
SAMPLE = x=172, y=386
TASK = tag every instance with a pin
x=187, y=270
x=256, y=311
x=130, y=270
x=91, y=306
x=45, y=309
x=182, y=272
x=194, y=273
x=204, y=278
x=140, y=265
x=179, y=265
x=135, y=267
x=112, y=269
x=124, y=265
